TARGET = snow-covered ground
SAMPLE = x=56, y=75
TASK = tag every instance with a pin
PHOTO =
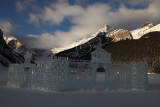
x=25, y=98
x=28, y=99
x=154, y=82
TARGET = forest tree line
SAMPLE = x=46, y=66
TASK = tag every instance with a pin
x=147, y=48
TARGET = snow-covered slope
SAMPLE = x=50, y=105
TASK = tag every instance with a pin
x=138, y=33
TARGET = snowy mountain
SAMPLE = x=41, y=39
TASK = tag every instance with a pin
x=18, y=47
x=147, y=28
x=82, y=41
x=15, y=44
x=83, y=48
x=7, y=54
x=105, y=29
x=115, y=34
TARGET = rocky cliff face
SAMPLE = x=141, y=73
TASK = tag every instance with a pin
x=119, y=34
x=7, y=54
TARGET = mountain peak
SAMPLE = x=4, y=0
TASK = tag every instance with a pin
x=106, y=28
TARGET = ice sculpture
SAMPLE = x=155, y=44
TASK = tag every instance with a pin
x=63, y=74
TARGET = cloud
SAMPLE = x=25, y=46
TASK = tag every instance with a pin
x=138, y=2
x=133, y=2
x=87, y=20
x=43, y=41
x=23, y=5
x=6, y=26
x=55, y=13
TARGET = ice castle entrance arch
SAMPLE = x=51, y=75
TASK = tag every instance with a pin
x=100, y=78
x=101, y=72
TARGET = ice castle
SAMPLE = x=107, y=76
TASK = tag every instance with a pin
x=63, y=74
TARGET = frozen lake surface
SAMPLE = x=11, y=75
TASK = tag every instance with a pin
x=25, y=98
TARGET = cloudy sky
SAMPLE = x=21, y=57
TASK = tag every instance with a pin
x=57, y=23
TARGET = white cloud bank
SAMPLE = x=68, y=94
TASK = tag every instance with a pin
x=86, y=21
x=6, y=26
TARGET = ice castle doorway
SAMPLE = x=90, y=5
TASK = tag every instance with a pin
x=100, y=79
x=26, y=78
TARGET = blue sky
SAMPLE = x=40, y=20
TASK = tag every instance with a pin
x=57, y=23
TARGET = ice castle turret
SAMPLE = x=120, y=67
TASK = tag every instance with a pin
x=28, y=57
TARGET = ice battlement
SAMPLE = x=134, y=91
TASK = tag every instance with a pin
x=60, y=58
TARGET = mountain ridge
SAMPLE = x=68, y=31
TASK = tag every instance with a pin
x=109, y=31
